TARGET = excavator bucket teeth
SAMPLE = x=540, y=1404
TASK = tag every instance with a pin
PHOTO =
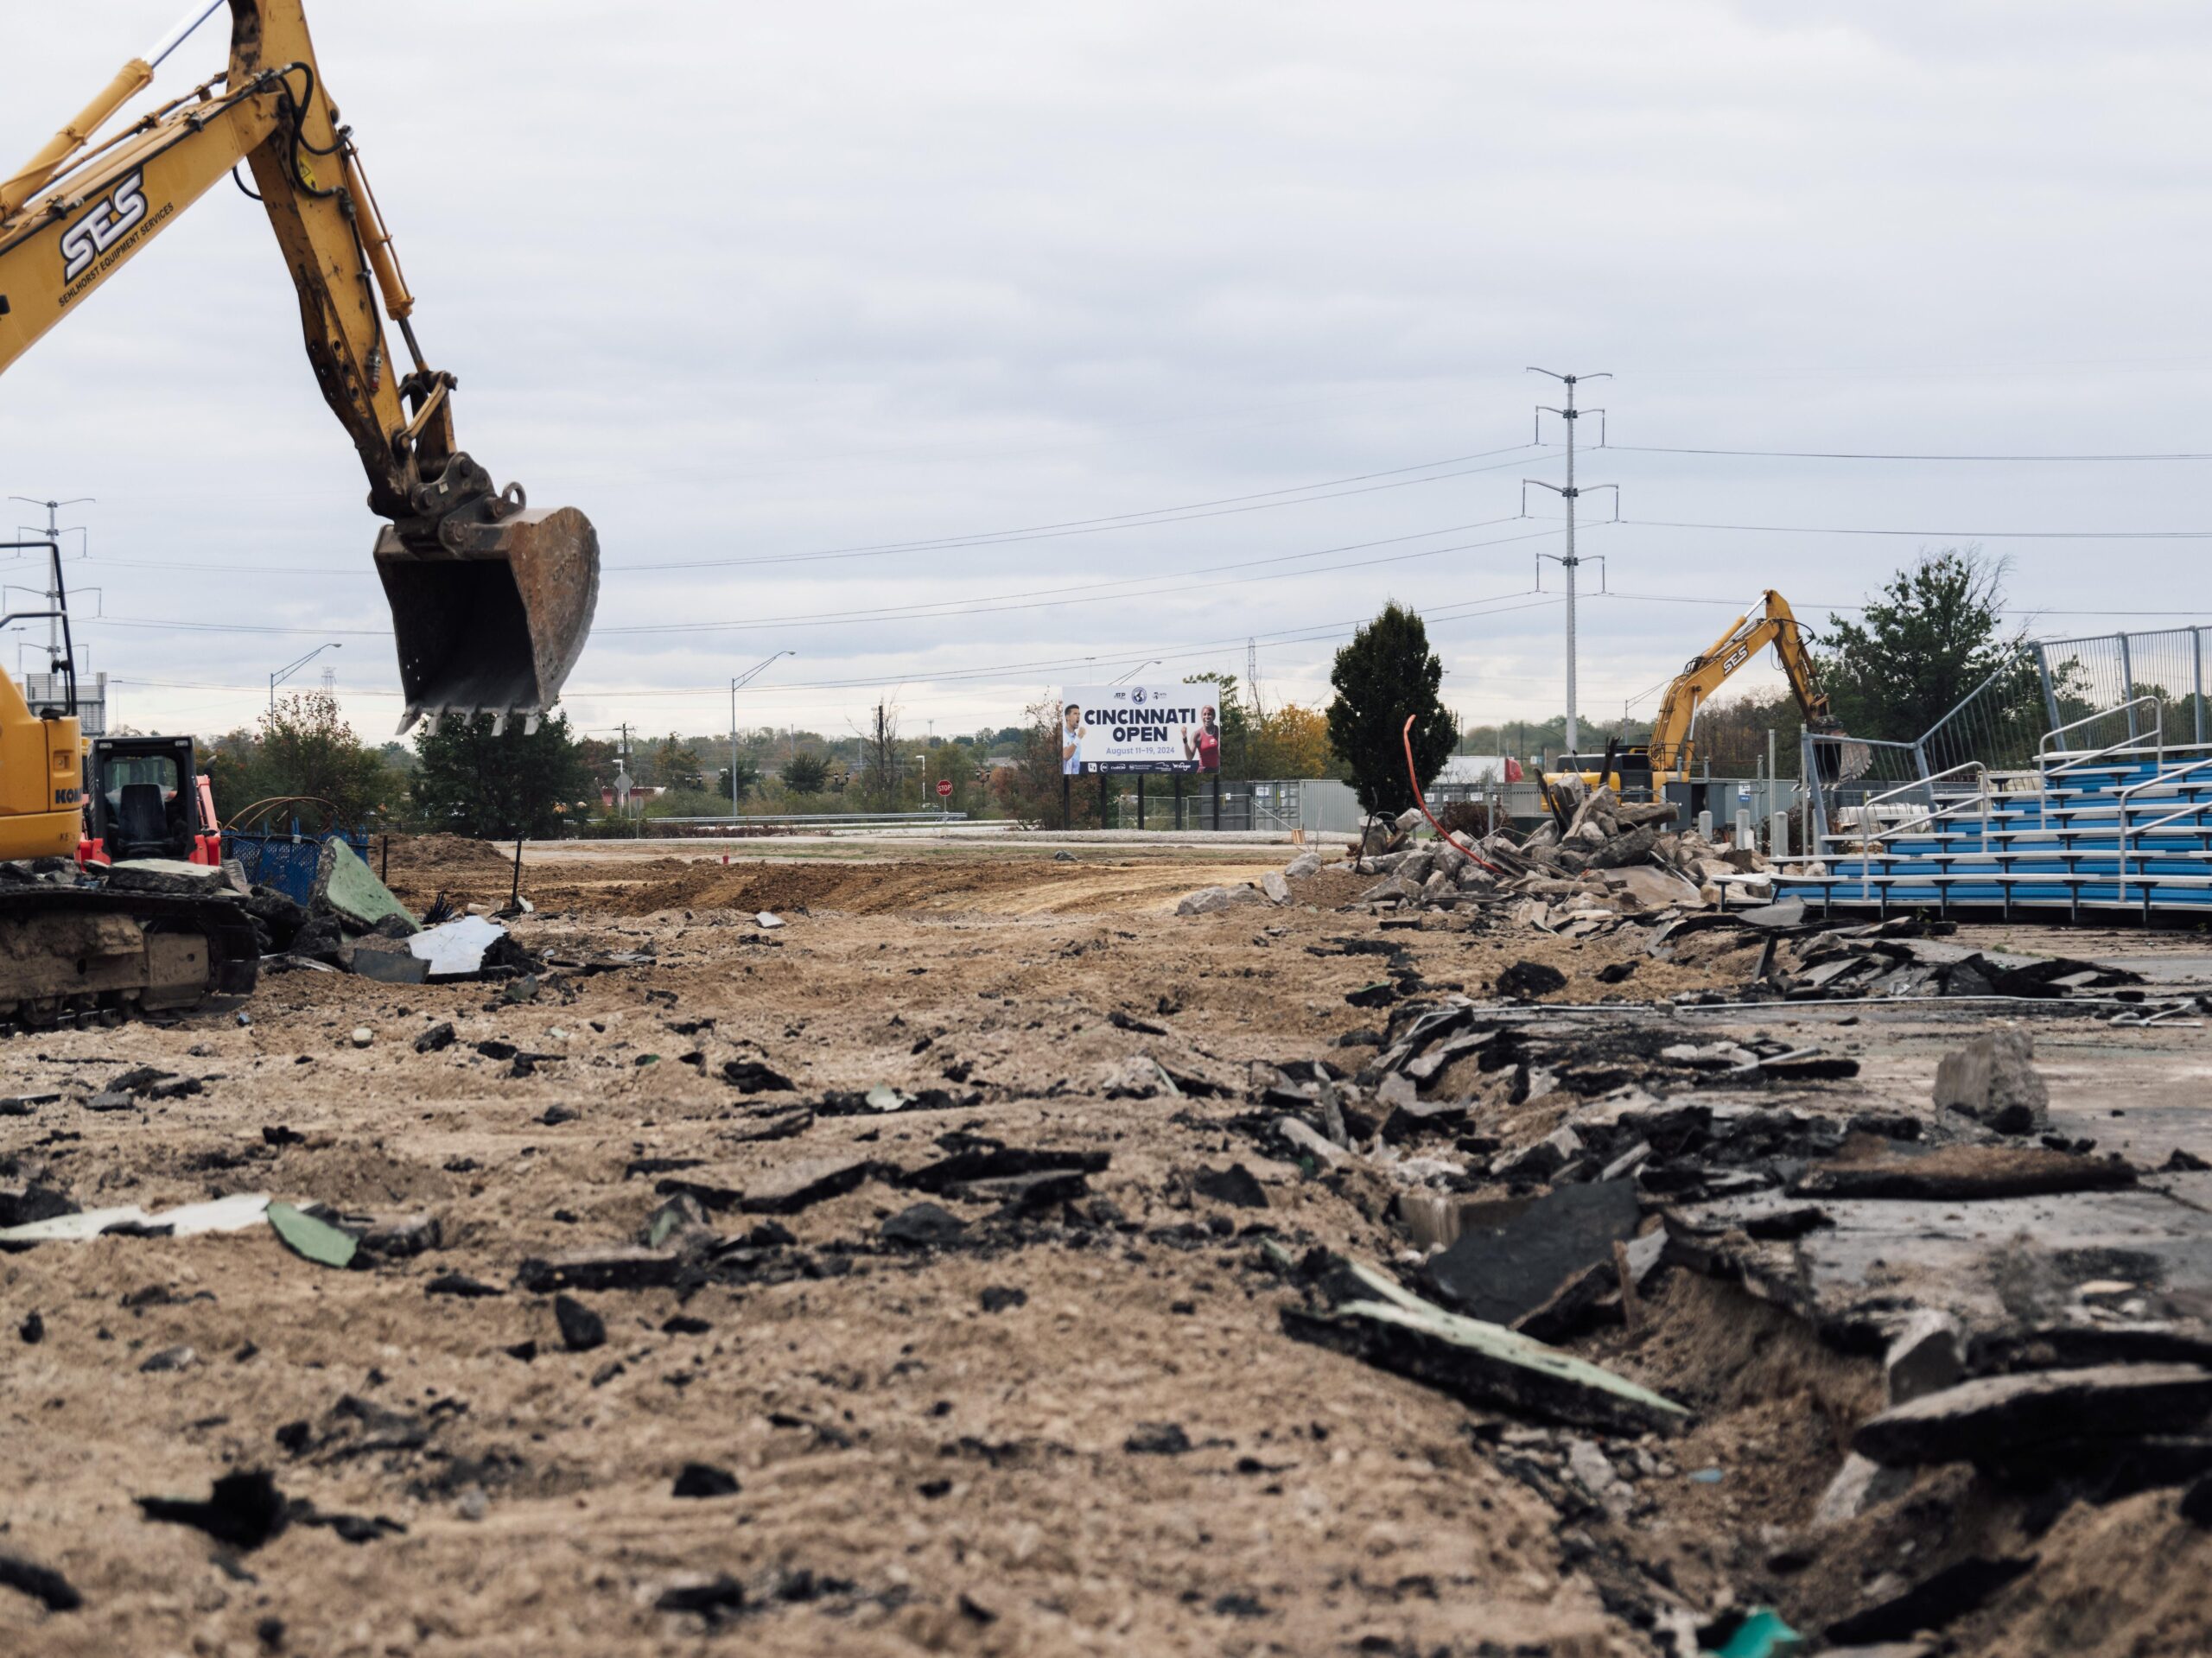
x=491, y=618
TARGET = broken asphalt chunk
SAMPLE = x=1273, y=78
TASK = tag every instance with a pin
x=42, y=1583
x=1530, y=980
x=463, y=1285
x=1870, y=1168
x=1234, y=1185
x=616, y=1269
x=715, y=1600
x=989, y=1162
x=1373, y=1318
x=1307, y=1144
x=921, y=1226
x=1991, y=1418
x=1157, y=1439
x=582, y=1330
x=244, y=1509
x=781, y=1191
x=703, y=1479
x=1958, y=1589
x=751, y=1076
x=1513, y=1257
x=439, y=1036
x=1026, y=1194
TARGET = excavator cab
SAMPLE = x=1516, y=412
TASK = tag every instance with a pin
x=144, y=797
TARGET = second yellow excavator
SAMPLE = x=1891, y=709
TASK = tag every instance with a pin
x=491, y=598
x=1672, y=752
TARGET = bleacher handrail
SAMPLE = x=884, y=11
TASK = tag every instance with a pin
x=2128, y=831
x=2131, y=745
x=1869, y=842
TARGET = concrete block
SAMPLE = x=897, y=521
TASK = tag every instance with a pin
x=1927, y=1355
x=1993, y=1080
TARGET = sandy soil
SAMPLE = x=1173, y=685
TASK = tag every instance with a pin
x=926, y=1462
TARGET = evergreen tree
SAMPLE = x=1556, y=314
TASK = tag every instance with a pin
x=805, y=774
x=473, y=783
x=1387, y=673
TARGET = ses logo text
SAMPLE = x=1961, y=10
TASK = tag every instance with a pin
x=108, y=228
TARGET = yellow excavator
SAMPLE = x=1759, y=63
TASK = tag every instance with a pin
x=491, y=598
x=1671, y=753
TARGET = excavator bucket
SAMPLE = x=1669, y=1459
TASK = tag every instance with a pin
x=490, y=617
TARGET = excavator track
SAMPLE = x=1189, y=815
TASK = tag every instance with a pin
x=82, y=954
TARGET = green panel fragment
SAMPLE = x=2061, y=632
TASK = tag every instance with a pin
x=316, y=1241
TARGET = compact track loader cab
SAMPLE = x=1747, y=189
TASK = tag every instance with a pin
x=144, y=797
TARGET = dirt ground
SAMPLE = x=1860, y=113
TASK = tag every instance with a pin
x=1081, y=1434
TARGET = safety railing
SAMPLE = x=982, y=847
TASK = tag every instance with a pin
x=2129, y=832
x=2130, y=744
x=1872, y=829
x=1842, y=771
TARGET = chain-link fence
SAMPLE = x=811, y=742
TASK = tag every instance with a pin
x=2078, y=696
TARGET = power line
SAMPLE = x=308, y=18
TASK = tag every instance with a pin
x=1813, y=603
x=1927, y=534
x=1038, y=599
x=1263, y=501
x=1847, y=455
x=986, y=604
x=1146, y=520
x=1464, y=610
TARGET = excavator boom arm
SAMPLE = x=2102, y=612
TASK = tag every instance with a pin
x=1772, y=624
x=491, y=599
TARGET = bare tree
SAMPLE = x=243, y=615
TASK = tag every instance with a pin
x=879, y=778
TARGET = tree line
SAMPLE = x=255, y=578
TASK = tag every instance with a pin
x=1934, y=633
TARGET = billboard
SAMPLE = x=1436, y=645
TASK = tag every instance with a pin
x=1140, y=728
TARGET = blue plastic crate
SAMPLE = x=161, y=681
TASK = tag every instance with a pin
x=286, y=863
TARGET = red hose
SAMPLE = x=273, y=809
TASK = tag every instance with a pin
x=1412, y=776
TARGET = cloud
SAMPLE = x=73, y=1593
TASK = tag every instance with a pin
x=743, y=283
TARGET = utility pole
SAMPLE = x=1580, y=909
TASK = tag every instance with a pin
x=733, y=684
x=54, y=531
x=1252, y=676
x=1568, y=493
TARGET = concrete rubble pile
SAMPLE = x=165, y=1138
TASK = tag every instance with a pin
x=1616, y=872
x=1608, y=848
x=1547, y=1176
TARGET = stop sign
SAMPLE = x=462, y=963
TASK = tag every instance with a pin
x=944, y=788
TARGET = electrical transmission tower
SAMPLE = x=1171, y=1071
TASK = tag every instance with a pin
x=1569, y=493
x=1252, y=676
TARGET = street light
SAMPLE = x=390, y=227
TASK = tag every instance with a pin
x=291, y=668
x=1139, y=669
x=741, y=679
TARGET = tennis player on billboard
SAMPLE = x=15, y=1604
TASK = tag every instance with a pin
x=1072, y=740
x=1202, y=742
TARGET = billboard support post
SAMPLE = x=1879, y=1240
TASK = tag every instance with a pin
x=1178, y=799
x=1216, y=802
x=1067, y=816
x=1102, y=800
x=1139, y=802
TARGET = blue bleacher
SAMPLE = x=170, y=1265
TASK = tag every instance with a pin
x=2050, y=839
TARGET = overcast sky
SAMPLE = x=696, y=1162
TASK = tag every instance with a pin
x=748, y=283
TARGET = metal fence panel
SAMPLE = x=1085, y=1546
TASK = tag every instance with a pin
x=2000, y=723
